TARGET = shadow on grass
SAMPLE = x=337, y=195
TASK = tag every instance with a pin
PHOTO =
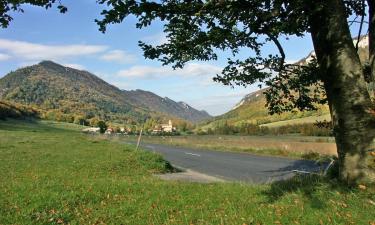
x=314, y=188
x=30, y=124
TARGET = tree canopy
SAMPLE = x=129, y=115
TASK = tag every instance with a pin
x=8, y=6
x=198, y=30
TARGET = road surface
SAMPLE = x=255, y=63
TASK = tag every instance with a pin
x=233, y=166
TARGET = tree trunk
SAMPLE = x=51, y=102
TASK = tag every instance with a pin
x=351, y=107
x=371, y=35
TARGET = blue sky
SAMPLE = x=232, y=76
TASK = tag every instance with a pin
x=73, y=39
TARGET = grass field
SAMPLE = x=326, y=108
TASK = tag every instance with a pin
x=304, y=120
x=290, y=146
x=50, y=173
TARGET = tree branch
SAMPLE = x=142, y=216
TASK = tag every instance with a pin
x=371, y=35
x=361, y=24
x=281, y=50
x=355, y=21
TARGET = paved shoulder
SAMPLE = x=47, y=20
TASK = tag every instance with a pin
x=233, y=166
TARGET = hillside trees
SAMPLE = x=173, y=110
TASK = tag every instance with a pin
x=14, y=110
x=196, y=30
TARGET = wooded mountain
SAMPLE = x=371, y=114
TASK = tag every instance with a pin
x=166, y=105
x=61, y=91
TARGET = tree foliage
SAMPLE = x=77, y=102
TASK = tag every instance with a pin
x=9, y=6
x=102, y=126
x=199, y=30
x=14, y=110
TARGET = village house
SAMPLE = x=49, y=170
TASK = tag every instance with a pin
x=167, y=128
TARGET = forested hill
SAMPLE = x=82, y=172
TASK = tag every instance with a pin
x=60, y=91
x=165, y=105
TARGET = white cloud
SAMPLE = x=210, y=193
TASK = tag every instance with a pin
x=31, y=51
x=4, y=57
x=123, y=85
x=119, y=57
x=75, y=66
x=156, y=39
x=190, y=70
x=221, y=103
x=28, y=63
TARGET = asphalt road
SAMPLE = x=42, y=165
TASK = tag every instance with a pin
x=233, y=166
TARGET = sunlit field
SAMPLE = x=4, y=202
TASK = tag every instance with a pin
x=51, y=173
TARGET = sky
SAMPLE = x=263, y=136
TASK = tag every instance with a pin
x=73, y=39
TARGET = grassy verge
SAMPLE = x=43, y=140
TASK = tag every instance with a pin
x=50, y=173
x=314, y=148
x=310, y=119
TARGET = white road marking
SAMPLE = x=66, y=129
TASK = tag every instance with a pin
x=188, y=153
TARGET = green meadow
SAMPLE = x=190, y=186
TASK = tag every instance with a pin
x=51, y=173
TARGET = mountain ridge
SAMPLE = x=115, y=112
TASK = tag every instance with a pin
x=166, y=105
x=54, y=87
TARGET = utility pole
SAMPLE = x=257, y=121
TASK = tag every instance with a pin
x=139, y=139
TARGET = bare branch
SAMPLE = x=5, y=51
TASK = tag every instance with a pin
x=353, y=21
x=361, y=24
x=371, y=35
x=281, y=50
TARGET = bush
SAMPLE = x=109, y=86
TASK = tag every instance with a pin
x=14, y=110
x=81, y=120
x=102, y=126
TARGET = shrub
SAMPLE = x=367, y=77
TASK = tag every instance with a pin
x=102, y=126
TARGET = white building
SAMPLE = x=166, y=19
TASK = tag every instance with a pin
x=91, y=130
x=168, y=128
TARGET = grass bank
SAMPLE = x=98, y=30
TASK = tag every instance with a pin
x=50, y=173
x=287, y=146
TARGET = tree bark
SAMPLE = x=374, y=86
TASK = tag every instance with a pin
x=371, y=35
x=342, y=73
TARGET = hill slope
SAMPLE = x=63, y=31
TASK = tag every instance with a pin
x=252, y=109
x=63, y=91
